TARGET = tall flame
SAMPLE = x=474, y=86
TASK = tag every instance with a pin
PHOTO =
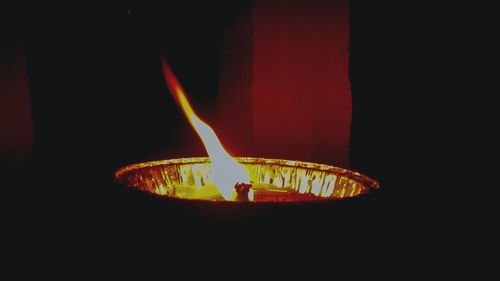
x=225, y=171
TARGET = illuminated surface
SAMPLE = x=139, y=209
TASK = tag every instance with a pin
x=273, y=180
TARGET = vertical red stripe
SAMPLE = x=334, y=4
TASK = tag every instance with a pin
x=300, y=90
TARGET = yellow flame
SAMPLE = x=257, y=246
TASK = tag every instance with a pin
x=225, y=171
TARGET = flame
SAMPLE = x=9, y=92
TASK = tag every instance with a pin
x=226, y=172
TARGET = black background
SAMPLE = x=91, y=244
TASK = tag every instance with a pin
x=82, y=57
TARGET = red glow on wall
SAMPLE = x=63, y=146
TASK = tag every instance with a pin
x=297, y=100
x=15, y=117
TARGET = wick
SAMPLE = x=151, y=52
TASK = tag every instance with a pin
x=242, y=190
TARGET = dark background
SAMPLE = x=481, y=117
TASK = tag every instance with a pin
x=85, y=75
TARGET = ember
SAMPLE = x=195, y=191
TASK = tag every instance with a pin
x=242, y=191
